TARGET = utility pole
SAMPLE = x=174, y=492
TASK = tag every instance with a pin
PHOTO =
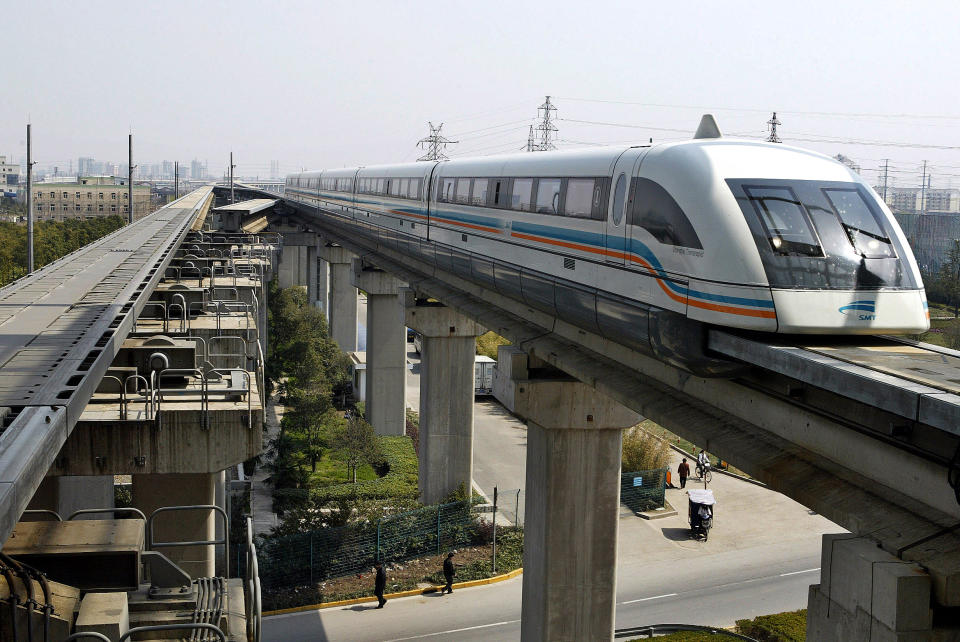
x=30, y=164
x=231, y=177
x=886, y=174
x=130, y=167
x=546, y=126
x=434, y=144
x=772, y=124
x=923, y=189
x=176, y=180
x=531, y=144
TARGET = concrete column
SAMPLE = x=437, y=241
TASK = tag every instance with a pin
x=68, y=493
x=386, y=385
x=866, y=594
x=323, y=286
x=343, y=297
x=155, y=491
x=312, y=294
x=572, y=511
x=446, y=398
x=291, y=270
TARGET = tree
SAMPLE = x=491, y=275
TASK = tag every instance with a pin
x=356, y=443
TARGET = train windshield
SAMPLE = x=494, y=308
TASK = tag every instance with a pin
x=782, y=214
x=861, y=224
x=822, y=234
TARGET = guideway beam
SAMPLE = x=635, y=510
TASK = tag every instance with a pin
x=449, y=347
x=386, y=349
x=572, y=510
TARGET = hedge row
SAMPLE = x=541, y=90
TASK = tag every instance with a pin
x=400, y=481
x=779, y=627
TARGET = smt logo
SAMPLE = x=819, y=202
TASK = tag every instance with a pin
x=865, y=310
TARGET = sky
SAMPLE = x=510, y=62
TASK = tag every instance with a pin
x=332, y=84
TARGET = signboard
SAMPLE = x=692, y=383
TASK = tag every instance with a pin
x=638, y=481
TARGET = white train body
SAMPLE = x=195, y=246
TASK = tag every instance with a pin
x=622, y=241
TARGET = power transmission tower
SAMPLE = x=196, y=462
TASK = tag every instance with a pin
x=435, y=143
x=546, y=128
x=531, y=141
x=772, y=123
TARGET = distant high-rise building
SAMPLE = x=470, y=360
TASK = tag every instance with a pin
x=85, y=166
x=196, y=169
x=274, y=170
x=166, y=169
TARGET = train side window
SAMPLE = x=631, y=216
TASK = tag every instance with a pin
x=657, y=212
x=404, y=188
x=463, y=190
x=479, y=194
x=580, y=197
x=520, y=197
x=447, y=188
x=548, y=196
x=785, y=220
x=498, y=193
x=619, y=196
x=415, y=188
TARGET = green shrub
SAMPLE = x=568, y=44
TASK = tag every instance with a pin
x=779, y=627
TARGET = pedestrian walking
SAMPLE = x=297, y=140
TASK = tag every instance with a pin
x=684, y=471
x=379, y=584
x=448, y=572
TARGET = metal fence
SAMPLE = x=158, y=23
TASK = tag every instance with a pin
x=643, y=490
x=303, y=559
x=510, y=506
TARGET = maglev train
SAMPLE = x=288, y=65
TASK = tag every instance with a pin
x=649, y=245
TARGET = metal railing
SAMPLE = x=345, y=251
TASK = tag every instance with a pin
x=663, y=629
x=174, y=627
x=43, y=511
x=225, y=541
x=89, y=511
x=254, y=602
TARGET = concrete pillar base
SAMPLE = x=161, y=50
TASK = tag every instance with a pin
x=151, y=492
x=572, y=511
x=868, y=595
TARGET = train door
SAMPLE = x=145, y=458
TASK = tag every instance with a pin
x=617, y=232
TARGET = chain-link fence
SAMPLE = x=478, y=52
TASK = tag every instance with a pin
x=308, y=558
x=643, y=490
x=510, y=506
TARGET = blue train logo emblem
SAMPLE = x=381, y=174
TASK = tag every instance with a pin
x=865, y=310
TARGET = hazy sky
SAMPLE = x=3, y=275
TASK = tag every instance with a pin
x=329, y=84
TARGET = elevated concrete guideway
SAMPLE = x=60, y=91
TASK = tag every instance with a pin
x=61, y=327
x=805, y=432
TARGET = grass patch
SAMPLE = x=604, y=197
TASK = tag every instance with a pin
x=333, y=471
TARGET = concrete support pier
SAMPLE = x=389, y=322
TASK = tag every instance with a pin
x=446, y=398
x=386, y=349
x=65, y=494
x=868, y=595
x=572, y=510
x=323, y=287
x=343, y=296
x=151, y=492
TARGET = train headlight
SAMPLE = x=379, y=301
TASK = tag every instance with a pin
x=777, y=242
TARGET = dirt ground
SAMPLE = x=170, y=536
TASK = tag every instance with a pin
x=402, y=576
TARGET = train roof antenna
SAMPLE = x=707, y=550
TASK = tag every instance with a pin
x=708, y=128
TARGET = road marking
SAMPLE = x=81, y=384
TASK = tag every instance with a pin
x=809, y=570
x=469, y=628
x=647, y=599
